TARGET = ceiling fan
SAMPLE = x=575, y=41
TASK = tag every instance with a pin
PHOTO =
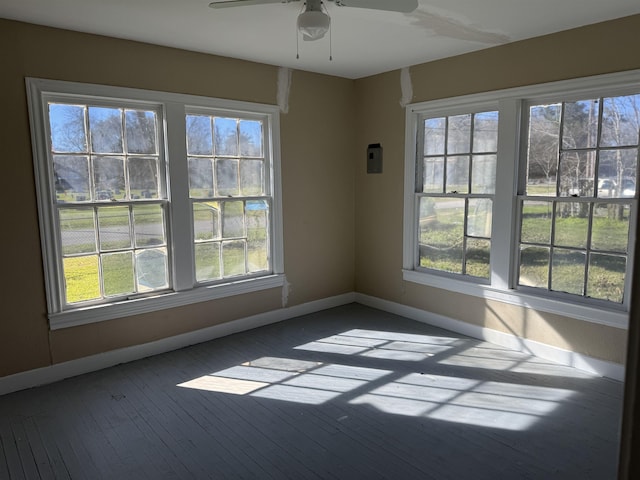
x=313, y=22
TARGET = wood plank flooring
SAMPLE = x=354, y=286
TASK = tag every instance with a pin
x=348, y=393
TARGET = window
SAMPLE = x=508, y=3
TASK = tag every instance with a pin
x=150, y=200
x=527, y=195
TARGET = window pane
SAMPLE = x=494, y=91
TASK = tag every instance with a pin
x=206, y=221
x=227, y=178
x=567, y=271
x=114, y=228
x=543, y=147
x=536, y=222
x=141, y=131
x=233, y=258
x=71, y=175
x=77, y=230
x=108, y=174
x=151, y=269
x=571, y=224
x=433, y=175
x=251, y=177
x=118, y=274
x=200, y=177
x=477, y=257
x=577, y=171
x=441, y=239
x=257, y=235
x=143, y=177
x=232, y=219
x=81, y=278
x=485, y=132
x=534, y=266
x=458, y=174
x=68, y=133
x=148, y=223
x=226, y=136
x=620, y=119
x=105, y=125
x=617, y=173
x=459, y=134
x=479, y=217
x=434, y=136
x=250, y=138
x=483, y=174
x=610, y=229
x=580, y=128
x=199, y=136
x=606, y=277
x=207, y=261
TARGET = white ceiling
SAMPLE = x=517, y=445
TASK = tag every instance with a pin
x=364, y=42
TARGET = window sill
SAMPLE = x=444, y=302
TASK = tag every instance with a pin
x=588, y=313
x=99, y=313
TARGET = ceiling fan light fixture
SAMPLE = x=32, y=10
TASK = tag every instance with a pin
x=313, y=24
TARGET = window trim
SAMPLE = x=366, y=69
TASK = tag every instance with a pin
x=511, y=109
x=174, y=107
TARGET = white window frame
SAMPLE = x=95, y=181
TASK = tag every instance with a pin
x=511, y=105
x=174, y=108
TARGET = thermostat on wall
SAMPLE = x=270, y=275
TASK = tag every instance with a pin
x=374, y=158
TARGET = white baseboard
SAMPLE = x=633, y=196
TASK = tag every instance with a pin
x=72, y=368
x=548, y=352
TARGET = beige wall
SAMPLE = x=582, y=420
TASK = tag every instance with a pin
x=317, y=174
x=597, y=49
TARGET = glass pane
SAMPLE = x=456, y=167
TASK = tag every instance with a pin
x=606, y=277
x=250, y=138
x=226, y=136
x=68, y=134
x=141, y=131
x=71, y=176
x=620, y=118
x=458, y=174
x=610, y=230
x=207, y=261
x=143, y=177
x=151, y=269
x=577, y=171
x=206, y=221
x=199, y=135
x=536, y=222
x=108, y=174
x=118, y=274
x=200, y=177
x=251, y=177
x=114, y=228
x=459, y=134
x=227, y=178
x=477, y=257
x=433, y=175
x=572, y=224
x=485, y=132
x=580, y=128
x=534, y=267
x=148, y=224
x=567, y=271
x=434, y=135
x=232, y=219
x=542, y=153
x=483, y=174
x=479, y=217
x=77, y=230
x=617, y=173
x=427, y=212
x=105, y=125
x=81, y=278
x=441, y=238
x=257, y=235
x=233, y=261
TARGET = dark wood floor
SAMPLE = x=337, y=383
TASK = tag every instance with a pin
x=349, y=393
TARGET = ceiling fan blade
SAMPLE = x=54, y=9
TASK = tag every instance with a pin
x=244, y=3
x=404, y=6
